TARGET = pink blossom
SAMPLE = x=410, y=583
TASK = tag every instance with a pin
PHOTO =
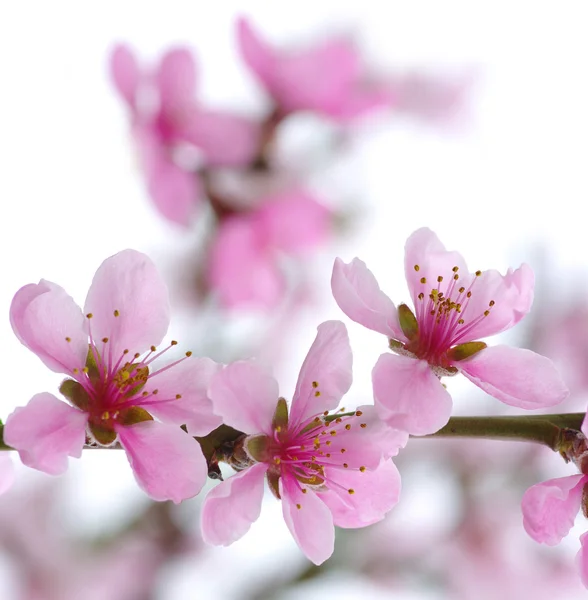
x=243, y=264
x=453, y=309
x=113, y=389
x=327, y=78
x=327, y=470
x=549, y=510
x=6, y=472
x=168, y=120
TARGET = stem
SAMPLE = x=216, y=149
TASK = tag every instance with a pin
x=541, y=429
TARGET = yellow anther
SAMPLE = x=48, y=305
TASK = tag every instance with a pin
x=304, y=490
x=328, y=442
x=317, y=394
x=456, y=277
x=491, y=303
x=105, y=340
x=75, y=371
x=478, y=273
x=89, y=316
x=86, y=370
x=362, y=469
x=439, y=279
x=174, y=343
x=116, y=313
x=421, y=296
x=105, y=415
x=315, y=384
x=486, y=313
x=345, y=465
x=277, y=460
x=363, y=425
x=351, y=491
x=278, y=429
x=416, y=267
x=68, y=339
x=358, y=413
x=299, y=506
x=461, y=290
x=333, y=432
x=348, y=426
x=461, y=322
x=455, y=269
x=343, y=450
x=153, y=348
x=178, y=396
x=189, y=353
x=423, y=280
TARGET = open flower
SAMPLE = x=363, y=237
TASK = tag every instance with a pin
x=326, y=469
x=114, y=390
x=453, y=310
x=243, y=264
x=328, y=78
x=167, y=120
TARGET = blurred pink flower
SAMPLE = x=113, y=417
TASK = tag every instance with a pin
x=243, y=264
x=6, y=472
x=453, y=309
x=114, y=392
x=327, y=78
x=326, y=471
x=166, y=119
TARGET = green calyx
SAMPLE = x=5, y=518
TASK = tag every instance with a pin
x=75, y=393
x=257, y=448
x=280, y=420
x=463, y=351
x=408, y=322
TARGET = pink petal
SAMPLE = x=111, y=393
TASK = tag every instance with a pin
x=582, y=559
x=232, y=506
x=358, y=295
x=511, y=295
x=311, y=525
x=6, y=472
x=45, y=432
x=176, y=79
x=43, y=316
x=327, y=364
x=423, y=249
x=516, y=376
x=258, y=56
x=175, y=192
x=245, y=395
x=409, y=396
x=128, y=283
x=294, y=221
x=190, y=379
x=167, y=462
x=375, y=493
x=550, y=508
x=225, y=139
x=242, y=271
x=125, y=73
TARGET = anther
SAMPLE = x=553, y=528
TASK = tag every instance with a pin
x=189, y=353
x=75, y=371
x=416, y=267
x=315, y=384
x=105, y=415
x=478, y=273
x=277, y=460
x=328, y=442
x=153, y=348
x=328, y=455
x=136, y=355
x=343, y=450
x=174, y=343
x=461, y=290
x=455, y=269
x=299, y=506
x=86, y=370
x=439, y=279
x=461, y=322
x=348, y=426
x=345, y=465
x=338, y=420
x=326, y=413
x=155, y=392
x=317, y=394
x=333, y=432
x=491, y=303
x=145, y=394
x=358, y=413
x=116, y=313
x=68, y=339
x=351, y=491
x=89, y=316
x=126, y=351
x=363, y=425
x=304, y=490
x=421, y=296
x=362, y=469
x=456, y=277
x=486, y=313
x=423, y=280
x=469, y=294
x=105, y=340
x=178, y=396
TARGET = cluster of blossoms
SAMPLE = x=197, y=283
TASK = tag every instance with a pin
x=189, y=153
x=328, y=466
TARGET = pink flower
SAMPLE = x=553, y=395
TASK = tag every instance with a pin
x=327, y=78
x=114, y=391
x=6, y=472
x=454, y=308
x=167, y=120
x=326, y=470
x=243, y=267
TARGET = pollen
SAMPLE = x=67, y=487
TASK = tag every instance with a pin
x=178, y=396
x=423, y=280
x=116, y=313
x=299, y=506
x=304, y=490
x=363, y=425
x=189, y=353
x=440, y=279
x=421, y=296
x=68, y=339
x=317, y=394
x=358, y=413
x=105, y=340
x=455, y=269
x=105, y=415
x=362, y=469
x=174, y=343
x=328, y=442
x=416, y=268
x=478, y=273
x=153, y=348
x=343, y=450
x=491, y=303
x=348, y=426
x=315, y=384
x=351, y=491
x=333, y=432
x=345, y=465
x=486, y=313
x=89, y=316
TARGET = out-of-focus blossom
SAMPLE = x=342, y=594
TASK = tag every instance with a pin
x=174, y=133
x=244, y=268
x=114, y=393
x=6, y=472
x=327, y=470
x=328, y=78
x=453, y=309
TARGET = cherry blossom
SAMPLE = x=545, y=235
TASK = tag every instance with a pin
x=453, y=310
x=114, y=390
x=328, y=469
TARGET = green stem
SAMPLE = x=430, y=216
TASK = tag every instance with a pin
x=541, y=429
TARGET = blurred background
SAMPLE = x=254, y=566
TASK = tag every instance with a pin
x=472, y=120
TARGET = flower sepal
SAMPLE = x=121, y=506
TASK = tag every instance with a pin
x=465, y=351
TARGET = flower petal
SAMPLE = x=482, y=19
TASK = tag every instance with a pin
x=176, y=79
x=241, y=269
x=45, y=432
x=258, y=56
x=409, y=396
x=44, y=317
x=359, y=296
x=6, y=472
x=232, y=506
x=582, y=559
x=326, y=373
x=189, y=379
x=375, y=493
x=550, y=508
x=225, y=139
x=294, y=221
x=309, y=520
x=128, y=284
x=125, y=73
x=424, y=250
x=516, y=376
x=168, y=464
x=245, y=395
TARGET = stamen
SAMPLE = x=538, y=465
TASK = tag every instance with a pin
x=315, y=384
x=351, y=491
x=416, y=268
x=423, y=280
x=362, y=469
x=116, y=313
x=68, y=339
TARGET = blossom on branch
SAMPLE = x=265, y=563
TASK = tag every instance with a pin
x=453, y=310
x=175, y=134
x=328, y=469
x=114, y=392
